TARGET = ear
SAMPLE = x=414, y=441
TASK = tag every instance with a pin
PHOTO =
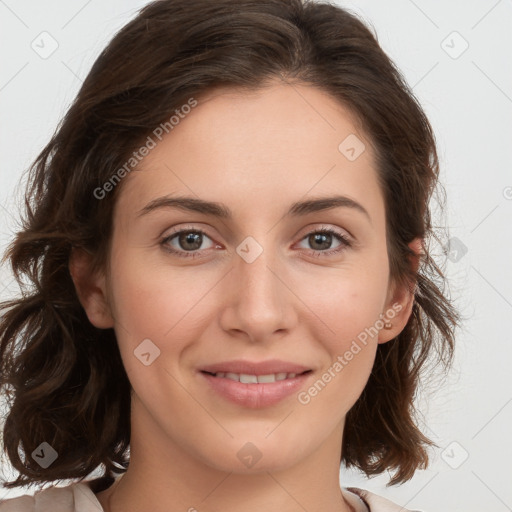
x=90, y=288
x=400, y=300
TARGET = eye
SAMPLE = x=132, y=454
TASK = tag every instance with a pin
x=322, y=239
x=186, y=242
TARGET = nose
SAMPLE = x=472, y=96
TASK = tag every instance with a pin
x=258, y=302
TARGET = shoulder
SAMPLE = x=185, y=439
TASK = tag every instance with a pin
x=375, y=503
x=76, y=497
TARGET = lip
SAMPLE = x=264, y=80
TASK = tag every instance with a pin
x=256, y=368
x=255, y=396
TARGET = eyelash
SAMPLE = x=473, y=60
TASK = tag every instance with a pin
x=345, y=242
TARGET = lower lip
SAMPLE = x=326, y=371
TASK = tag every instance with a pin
x=255, y=396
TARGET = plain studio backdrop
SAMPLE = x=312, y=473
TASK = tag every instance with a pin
x=454, y=56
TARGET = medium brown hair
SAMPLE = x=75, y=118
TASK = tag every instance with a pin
x=64, y=378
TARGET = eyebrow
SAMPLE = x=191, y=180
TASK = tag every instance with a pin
x=221, y=211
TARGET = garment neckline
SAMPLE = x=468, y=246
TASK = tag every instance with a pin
x=353, y=498
x=352, y=495
x=85, y=488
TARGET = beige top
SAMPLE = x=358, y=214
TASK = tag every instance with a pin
x=79, y=497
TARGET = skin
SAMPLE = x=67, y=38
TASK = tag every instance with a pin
x=293, y=302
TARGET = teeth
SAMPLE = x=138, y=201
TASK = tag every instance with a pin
x=255, y=379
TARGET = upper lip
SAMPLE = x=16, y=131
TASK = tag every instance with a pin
x=255, y=368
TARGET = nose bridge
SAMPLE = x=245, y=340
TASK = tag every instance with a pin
x=261, y=301
x=257, y=281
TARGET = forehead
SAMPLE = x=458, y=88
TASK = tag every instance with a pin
x=258, y=149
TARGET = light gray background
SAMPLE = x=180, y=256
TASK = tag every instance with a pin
x=468, y=98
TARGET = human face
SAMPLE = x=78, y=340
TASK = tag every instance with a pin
x=200, y=300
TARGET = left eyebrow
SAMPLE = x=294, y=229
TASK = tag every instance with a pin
x=221, y=211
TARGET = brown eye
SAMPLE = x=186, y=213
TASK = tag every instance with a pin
x=190, y=241
x=186, y=241
x=320, y=241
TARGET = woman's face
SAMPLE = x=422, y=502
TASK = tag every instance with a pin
x=256, y=284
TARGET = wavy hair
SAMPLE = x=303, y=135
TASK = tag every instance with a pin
x=63, y=377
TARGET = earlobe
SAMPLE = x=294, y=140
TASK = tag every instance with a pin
x=90, y=288
x=400, y=302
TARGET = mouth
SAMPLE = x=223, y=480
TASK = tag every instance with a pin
x=246, y=378
x=252, y=391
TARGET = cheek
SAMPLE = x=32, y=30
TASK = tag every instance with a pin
x=348, y=325
x=149, y=311
x=149, y=298
x=164, y=305
x=349, y=303
x=350, y=348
